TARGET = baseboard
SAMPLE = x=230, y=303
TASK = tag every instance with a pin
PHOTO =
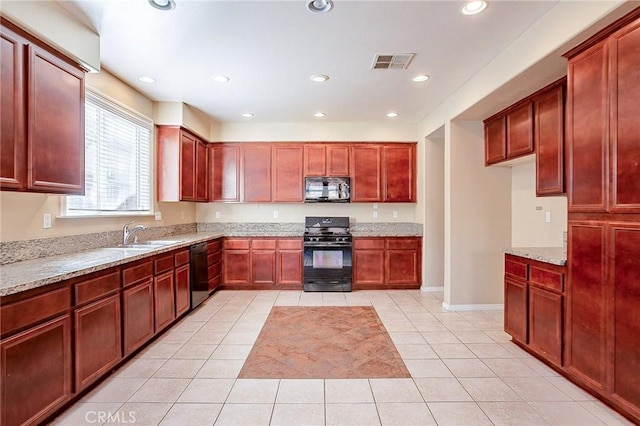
x=432, y=289
x=496, y=307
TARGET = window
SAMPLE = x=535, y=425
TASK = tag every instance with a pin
x=117, y=161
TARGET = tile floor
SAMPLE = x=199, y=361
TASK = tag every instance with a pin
x=464, y=370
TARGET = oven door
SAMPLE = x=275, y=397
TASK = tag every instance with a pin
x=327, y=268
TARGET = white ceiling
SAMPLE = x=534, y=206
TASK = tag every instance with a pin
x=270, y=48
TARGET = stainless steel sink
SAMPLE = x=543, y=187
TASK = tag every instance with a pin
x=145, y=245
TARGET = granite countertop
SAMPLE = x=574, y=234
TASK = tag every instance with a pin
x=552, y=255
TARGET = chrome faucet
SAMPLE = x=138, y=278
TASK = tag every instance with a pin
x=126, y=233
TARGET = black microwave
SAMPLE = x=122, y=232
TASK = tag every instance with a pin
x=326, y=189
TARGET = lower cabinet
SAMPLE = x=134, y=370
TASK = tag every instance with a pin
x=263, y=261
x=236, y=261
x=183, y=289
x=391, y=262
x=214, y=263
x=163, y=300
x=137, y=315
x=289, y=262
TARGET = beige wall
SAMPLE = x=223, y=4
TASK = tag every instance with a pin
x=433, y=242
x=528, y=225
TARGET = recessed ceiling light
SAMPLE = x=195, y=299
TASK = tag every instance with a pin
x=163, y=4
x=319, y=78
x=319, y=114
x=146, y=79
x=473, y=7
x=320, y=6
x=220, y=78
x=420, y=78
x=248, y=114
x=392, y=114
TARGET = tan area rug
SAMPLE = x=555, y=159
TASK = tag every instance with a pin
x=323, y=342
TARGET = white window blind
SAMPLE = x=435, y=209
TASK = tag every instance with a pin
x=117, y=161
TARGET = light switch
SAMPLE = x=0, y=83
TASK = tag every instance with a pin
x=395, y=213
x=547, y=216
x=275, y=214
x=46, y=221
x=218, y=215
x=158, y=215
x=375, y=214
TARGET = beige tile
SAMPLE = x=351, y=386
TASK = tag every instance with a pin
x=489, y=325
x=160, y=350
x=194, y=351
x=573, y=391
x=516, y=350
x=140, y=367
x=458, y=413
x=395, y=390
x=399, y=325
x=217, y=326
x=176, y=336
x=248, y=325
x=351, y=414
x=220, y=369
x=191, y=415
x=207, y=390
x=207, y=337
x=187, y=324
x=510, y=413
x=489, y=350
x=473, y=337
x=297, y=414
x=433, y=337
x=86, y=413
x=438, y=390
x=405, y=414
x=565, y=413
x=180, y=368
x=245, y=414
x=488, y=389
x=347, y=391
x=254, y=391
x=118, y=389
x=447, y=316
x=231, y=352
x=460, y=326
x=605, y=414
x=434, y=325
x=140, y=413
x=468, y=368
x=452, y=350
x=498, y=335
x=240, y=338
x=509, y=367
x=427, y=368
x=535, y=389
x=160, y=390
x=539, y=367
x=297, y=391
x=407, y=338
x=416, y=352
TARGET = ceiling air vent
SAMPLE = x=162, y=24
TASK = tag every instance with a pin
x=399, y=61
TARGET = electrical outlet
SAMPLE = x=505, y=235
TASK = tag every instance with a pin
x=375, y=206
x=218, y=215
x=547, y=216
x=395, y=214
x=158, y=215
x=375, y=214
x=275, y=214
x=46, y=220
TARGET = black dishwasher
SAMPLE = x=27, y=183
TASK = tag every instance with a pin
x=199, y=274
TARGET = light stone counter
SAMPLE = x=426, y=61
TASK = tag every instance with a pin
x=552, y=255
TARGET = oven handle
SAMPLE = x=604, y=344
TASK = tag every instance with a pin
x=325, y=245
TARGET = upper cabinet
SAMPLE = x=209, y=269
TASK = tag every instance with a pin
x=603, y=106
x=42, y=117
x=182, y=165
x=326, y=159
x=256, y=173
x=509, y=134
x=366, y=176
x=288, y=185
x=224, y=172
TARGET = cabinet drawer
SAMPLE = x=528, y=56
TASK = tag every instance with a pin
x=19, y=315
x=545, y=278
x=182, y=257
x=263, y=244
x=237, y=244
x=137, y=272
x=214, y=270
x=163, y=263
x=290, y=244
x=515, y=267
x=214, y=245
x=368, y=243
x=92, y=289
x=403, y=243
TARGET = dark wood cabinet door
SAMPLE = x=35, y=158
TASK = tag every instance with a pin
x=97, y=340
x=201, y=176
x=520, y=130
x=182, y=290
x=495, y=143
x=36, y=372
x=586, y=303
x=315, y=161
x=515, y=309
x=256, y=173
x=55, y=128
x=137, y=307
x=368, y=262
x=164, y=300
x=288, y=181
x=545, y=323
x=224, y=173
x=587, y=131
x=236, y=266
x=624, y=118
x=289, y=267
x=549, y=141
x=625, y=283
x=187, y=167
x=337, y=160
x=13, y=170
x=399, y=173
x=366, y=167
x=263, y=266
